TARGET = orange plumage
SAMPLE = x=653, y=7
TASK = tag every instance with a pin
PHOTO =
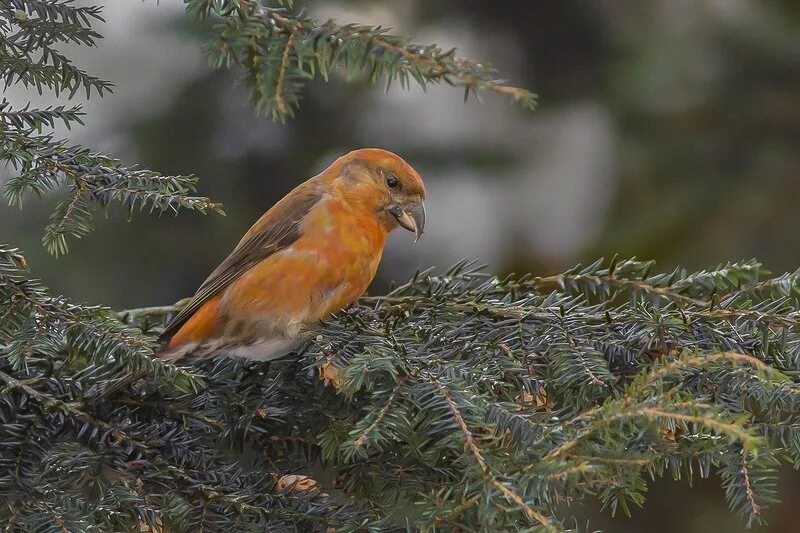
x=312, y=254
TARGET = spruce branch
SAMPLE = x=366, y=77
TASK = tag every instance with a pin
x=92, y=180
x=362, y=438
x=749, y=483
x=31, y=28
x=533, y=515
x=41, y=165
x=61, y=326
x=35, y=120
x=50, y=403
x=281, y=107
x=438, y=375
x=280, y=50
x=459, y=400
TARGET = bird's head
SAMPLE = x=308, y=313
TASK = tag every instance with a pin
x=383, y=183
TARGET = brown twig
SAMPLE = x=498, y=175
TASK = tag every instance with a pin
x=430, y=63
x=754, y=506
x=469, y=442
x=382, y=414
x=280, y=102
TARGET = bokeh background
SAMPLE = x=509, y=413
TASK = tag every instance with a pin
x=667, y=129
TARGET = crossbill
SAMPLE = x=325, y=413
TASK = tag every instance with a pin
x=312, y=254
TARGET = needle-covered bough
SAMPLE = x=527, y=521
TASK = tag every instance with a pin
x=456, y=400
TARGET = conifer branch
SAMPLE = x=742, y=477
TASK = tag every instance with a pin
x=711, y=422
x=280, y=102
x=50, y=403
x=555, y=388
x=262, y=39
x=364, y=435
x=492, y=341
x=533, y=515
x=39, y=164
x=755, y=508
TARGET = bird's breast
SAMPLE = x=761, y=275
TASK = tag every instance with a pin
x=325, y=270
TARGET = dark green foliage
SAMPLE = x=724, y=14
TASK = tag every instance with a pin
x=69, y=459
x=458, y=401
x=91, y=180
x=279, y=51
x=29, y=32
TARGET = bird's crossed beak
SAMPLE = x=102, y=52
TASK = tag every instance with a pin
x=410, y=217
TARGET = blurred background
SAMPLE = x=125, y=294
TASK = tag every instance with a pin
x=667, y=129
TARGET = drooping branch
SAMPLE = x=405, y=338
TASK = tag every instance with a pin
x=280, y=50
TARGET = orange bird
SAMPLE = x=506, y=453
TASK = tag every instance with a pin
x=312, y=254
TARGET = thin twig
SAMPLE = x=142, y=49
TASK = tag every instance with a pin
x=460, y=508
x=171, y=408
x=751, y=498
x=49, y=402
x=469, y=442
x=362, y=439
x=280, y=102
x=435, y=67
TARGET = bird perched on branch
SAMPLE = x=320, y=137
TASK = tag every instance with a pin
x=311, y=254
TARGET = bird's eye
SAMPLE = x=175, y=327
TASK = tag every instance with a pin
x=392, y=181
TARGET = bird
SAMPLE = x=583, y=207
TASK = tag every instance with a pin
x=310, y=255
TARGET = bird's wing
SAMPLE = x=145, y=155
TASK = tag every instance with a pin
x=276, y=230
